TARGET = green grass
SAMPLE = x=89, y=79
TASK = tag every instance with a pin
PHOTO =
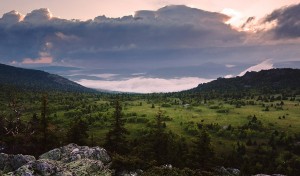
x=214, y=112
x=235, y=117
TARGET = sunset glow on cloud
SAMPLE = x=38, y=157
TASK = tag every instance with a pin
x=44, y=60
x=127, y=7
x=167, y=43
x=236, y=18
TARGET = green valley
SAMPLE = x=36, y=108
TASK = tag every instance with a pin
x=246, y=127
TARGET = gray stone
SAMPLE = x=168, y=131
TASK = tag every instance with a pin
x=3, y=160
x=22, y=171
x=73, y=152
x=234, y=171
x=46, y=167
x=12, y=162
x=222, y=171
x=85, y=166
x=17, y=161
x=70, y=160
x=54, y=154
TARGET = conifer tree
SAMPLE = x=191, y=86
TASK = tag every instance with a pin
x=202, y=153
x=44, y=119
x=78, y=132
x=182, y=153
x=160, y=139
x=47, y=130
x=159, y=129
x=116, y=138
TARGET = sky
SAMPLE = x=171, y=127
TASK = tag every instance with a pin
x=149, y=46
x=88, y=9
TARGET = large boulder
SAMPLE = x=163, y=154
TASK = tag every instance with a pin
x=39, y=167
x=73, y=152
x=70, y=160
x=222, y=171
x=10, y=163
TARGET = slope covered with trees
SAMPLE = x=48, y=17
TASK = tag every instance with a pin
x=192, y=132
x=274, y=80
x=37, y=80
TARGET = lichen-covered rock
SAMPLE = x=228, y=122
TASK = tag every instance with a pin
x=227, y=171
x=22, y=171
x=233, y=171
x=3, y=160
x=73, y=152
x=12, y=162
x=70, y=160
x=46, y=167
x=54, y=154
x=85, y=166
x=17, y=161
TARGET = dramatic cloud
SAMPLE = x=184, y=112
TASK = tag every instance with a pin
x=11, y=18
x=152, y=50
x=40, y=16
x=145, y=85
x=236, y=18
x=249, y=24
x=287, y=21
x=171, y=27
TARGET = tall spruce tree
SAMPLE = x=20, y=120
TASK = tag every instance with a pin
x=202, y=153
x=49, y=138
x=160, y=140
x=78, y=132
x=44, y=119
x=116, y=138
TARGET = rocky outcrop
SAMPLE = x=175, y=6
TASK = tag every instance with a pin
x=227, y=171
x=73, y=152
x=74, y=160
x=70, y=160
x=10, y=163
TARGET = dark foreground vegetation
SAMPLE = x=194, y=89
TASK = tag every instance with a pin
x=255, y=129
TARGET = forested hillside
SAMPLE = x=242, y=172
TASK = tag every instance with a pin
x=274, y=80
x=36, y=80
x=244, y=130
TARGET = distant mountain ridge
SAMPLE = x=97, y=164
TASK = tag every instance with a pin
x=37, y=80
x=273, y=79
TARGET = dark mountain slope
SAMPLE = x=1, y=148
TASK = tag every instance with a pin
x=265, y=80
x=37, y=80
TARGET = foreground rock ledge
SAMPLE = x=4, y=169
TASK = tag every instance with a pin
x=74, y=160
x=70, y=160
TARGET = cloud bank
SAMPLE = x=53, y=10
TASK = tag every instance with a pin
x=101, y=39
x=175, y=47
x=287, y=21
x=145, y=85
x=173, y=35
